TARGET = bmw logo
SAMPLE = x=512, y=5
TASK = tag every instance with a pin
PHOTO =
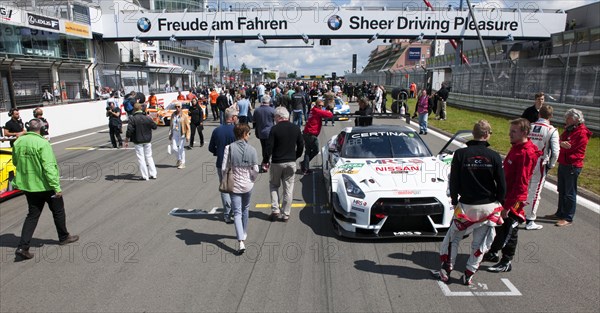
x=143, y=24
x=334, y=22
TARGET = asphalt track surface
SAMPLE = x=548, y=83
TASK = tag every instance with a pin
x=135, y=257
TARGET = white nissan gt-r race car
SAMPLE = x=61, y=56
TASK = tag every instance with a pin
x=383, y=181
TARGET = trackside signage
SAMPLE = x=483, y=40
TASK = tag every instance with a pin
x=10, y=15
x=336, y=23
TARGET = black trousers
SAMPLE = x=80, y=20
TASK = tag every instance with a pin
x=193, y=128
x=263, y=145
x=36, y=201
x=506, y=238
x=115, y=136
x=215, y=111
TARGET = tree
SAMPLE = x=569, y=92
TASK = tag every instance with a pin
x=293, y=75
x=243, y=67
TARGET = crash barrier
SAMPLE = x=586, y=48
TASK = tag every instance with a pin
x=511, y=107
x=76, y=117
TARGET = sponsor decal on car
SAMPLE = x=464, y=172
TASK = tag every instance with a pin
x=379, y=134
x=393, y=161
x=408, y=192
x=407, y=233
x=398, y=169
x=354, y=208
x=348, y=168
x=360, y=203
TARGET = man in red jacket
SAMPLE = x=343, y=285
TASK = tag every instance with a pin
x=312, y=129
x=518, y=169
x=573, y=143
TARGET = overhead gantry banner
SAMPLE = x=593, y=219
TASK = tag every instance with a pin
x=286, y=23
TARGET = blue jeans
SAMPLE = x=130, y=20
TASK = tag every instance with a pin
x=567, y=191
x=221, y=117
x=298, y=118
x=225, y=197
x=423, y=122
x=240, y=203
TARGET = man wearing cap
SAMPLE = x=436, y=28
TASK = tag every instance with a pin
x=139, y=131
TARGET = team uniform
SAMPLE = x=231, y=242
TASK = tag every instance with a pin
x=545, y=137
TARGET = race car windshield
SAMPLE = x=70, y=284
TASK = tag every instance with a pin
x=384, y=145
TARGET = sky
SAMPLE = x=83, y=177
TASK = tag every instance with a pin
x=338, y=57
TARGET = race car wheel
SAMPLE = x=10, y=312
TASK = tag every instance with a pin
x=167, y=122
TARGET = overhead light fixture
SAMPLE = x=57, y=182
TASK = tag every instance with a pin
x=136, y=39
x=185, y=10
x=172, y=38
x=510, y=38
x=373, y=38
x=305, y=38
x=150, y=43
x=261, y=38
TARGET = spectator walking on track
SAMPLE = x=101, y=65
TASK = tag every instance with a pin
x=242, y=159
x=38, y=176
x=264, y=117
x=545, y=137
x=285, y=146
x=477, y=188
x=115, y=126
x=139, y=131
x=220, y=138
x=196, y=114
x=518, y=169
x=573, y=143
x=179, y=134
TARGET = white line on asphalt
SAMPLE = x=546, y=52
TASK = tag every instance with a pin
x=594, y=207
x=513, y=291
x=66, y=140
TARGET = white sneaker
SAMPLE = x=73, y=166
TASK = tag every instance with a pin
x=242, y=248
x=181, y=166
x=533, y=226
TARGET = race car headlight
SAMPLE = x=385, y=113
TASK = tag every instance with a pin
x=352, y=188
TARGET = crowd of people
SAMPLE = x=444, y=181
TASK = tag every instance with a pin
x=491, y=197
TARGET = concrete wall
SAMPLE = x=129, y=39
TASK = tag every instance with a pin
x=76, y=117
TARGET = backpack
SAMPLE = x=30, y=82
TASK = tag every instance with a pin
x=128, y=104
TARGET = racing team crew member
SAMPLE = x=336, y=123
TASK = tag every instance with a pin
x=545, y=137
x=38, y=176
x=518, y=169
x=312, y=129
x=14, y=126
x=478, y=178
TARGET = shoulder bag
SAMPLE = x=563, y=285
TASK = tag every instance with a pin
x=227, y=181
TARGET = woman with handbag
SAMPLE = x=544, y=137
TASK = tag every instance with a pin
x=240, y=170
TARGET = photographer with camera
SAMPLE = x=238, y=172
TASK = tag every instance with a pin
x=113, y=112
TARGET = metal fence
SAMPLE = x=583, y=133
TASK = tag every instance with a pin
x=402, y=79
x=577, y=85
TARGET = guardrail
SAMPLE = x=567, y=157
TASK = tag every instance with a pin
x=511, y=107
